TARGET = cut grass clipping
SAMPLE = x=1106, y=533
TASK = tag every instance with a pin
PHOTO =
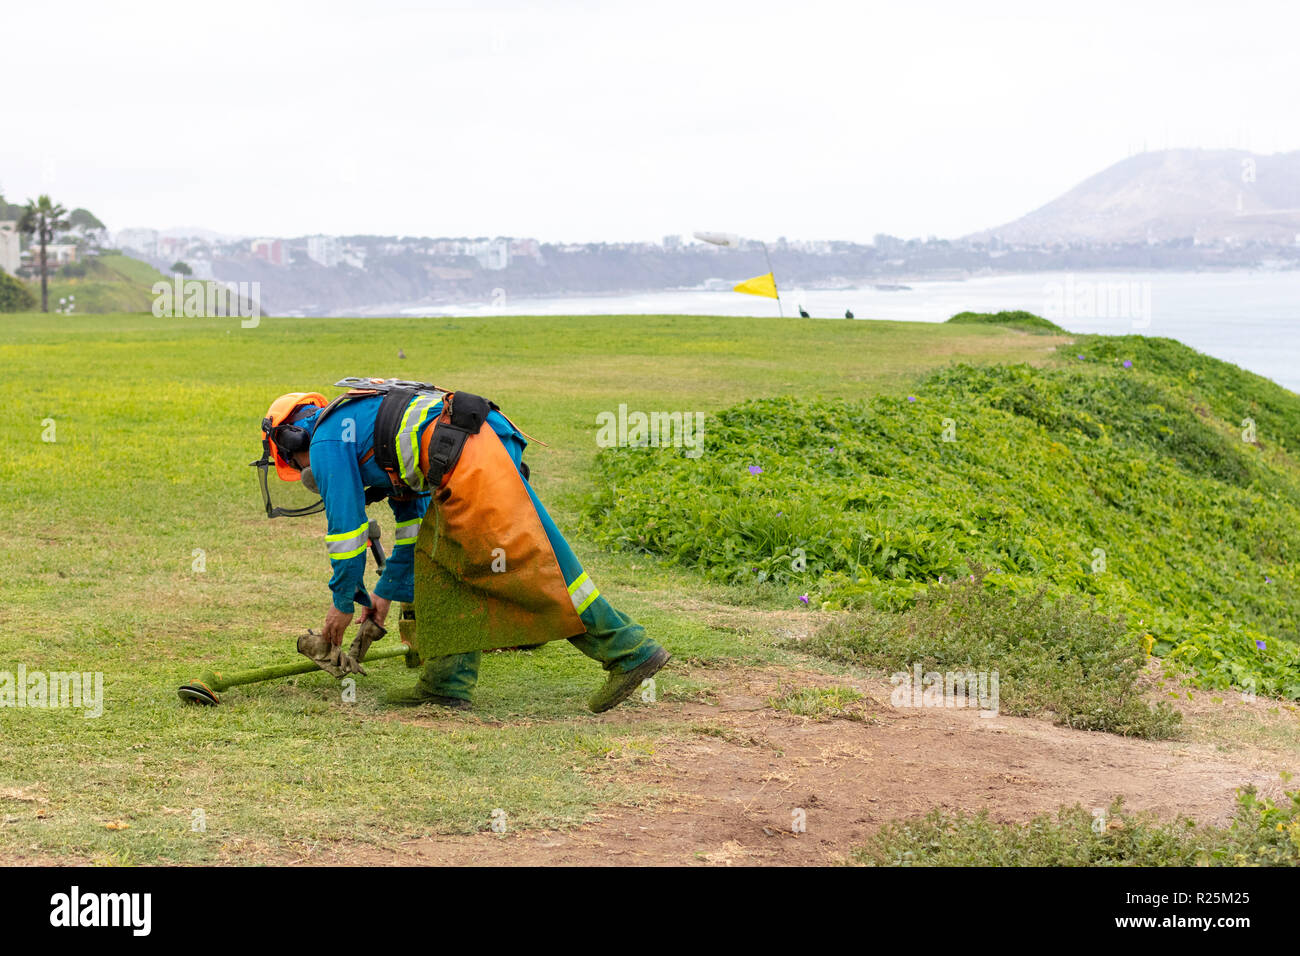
x=1262, y=834
x=1139, y=472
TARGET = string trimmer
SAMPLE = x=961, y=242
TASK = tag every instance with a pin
x=206, y=688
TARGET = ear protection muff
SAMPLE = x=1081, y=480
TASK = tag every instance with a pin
x=292, y=439
x=289, y=437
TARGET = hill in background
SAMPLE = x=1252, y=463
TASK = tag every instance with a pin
x=105, y=283
x=1199, y=194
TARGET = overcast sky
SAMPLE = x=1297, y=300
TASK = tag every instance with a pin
x=571, y=120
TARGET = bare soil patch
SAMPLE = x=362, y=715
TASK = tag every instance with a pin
x=737, y=772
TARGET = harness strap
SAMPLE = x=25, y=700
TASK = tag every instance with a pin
x=463, y=415
x=387, y=421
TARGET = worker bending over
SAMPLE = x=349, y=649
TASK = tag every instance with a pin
x=476, y=553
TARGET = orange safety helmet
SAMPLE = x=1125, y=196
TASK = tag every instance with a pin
x=281, y=437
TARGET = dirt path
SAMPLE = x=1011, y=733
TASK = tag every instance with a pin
x=733, y=775
x=732, y=789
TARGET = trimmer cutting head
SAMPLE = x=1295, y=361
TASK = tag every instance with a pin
x=197, y=692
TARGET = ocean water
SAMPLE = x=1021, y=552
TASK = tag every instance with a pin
x=1250, y=318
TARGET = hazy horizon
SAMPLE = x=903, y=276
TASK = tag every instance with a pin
x=587, y=122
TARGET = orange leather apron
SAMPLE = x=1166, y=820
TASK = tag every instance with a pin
x=485, y=573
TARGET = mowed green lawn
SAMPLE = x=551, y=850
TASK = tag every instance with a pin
x=154, y=423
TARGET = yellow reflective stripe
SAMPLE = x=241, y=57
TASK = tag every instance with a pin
x=415, y=443
x=344, y=535
x=587, y=603
x=582, y=592
x=408, y=442
x=402, y=462
x=347, y=544
x=406, y=524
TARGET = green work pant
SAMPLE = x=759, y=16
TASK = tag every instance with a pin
x=614, y=639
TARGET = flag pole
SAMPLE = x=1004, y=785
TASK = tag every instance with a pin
x=780, y=311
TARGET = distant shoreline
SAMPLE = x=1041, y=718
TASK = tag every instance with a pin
x=1250, y=317
x=866, y=284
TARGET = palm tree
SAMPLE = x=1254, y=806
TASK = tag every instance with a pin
x=43, y=218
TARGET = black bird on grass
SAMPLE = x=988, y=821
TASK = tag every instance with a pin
x=848, y=313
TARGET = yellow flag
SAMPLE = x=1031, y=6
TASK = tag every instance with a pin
x=759, y=285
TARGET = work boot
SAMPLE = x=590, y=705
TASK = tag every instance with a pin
x=619, y=686
x=417, y=695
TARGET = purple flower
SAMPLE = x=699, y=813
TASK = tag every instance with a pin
x=1128, y=364
x=1080, y=356
x=911, y=398
x=803, y=598
x=1260, y=645
x=780, y=513
x=755, y=470
x=1267, y=579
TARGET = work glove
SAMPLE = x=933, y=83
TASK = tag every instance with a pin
x=368, y=631
x=330, y=658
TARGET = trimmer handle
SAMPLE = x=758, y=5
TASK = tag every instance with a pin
x=376, y=547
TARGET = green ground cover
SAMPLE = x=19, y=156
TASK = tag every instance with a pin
x=153, y=423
